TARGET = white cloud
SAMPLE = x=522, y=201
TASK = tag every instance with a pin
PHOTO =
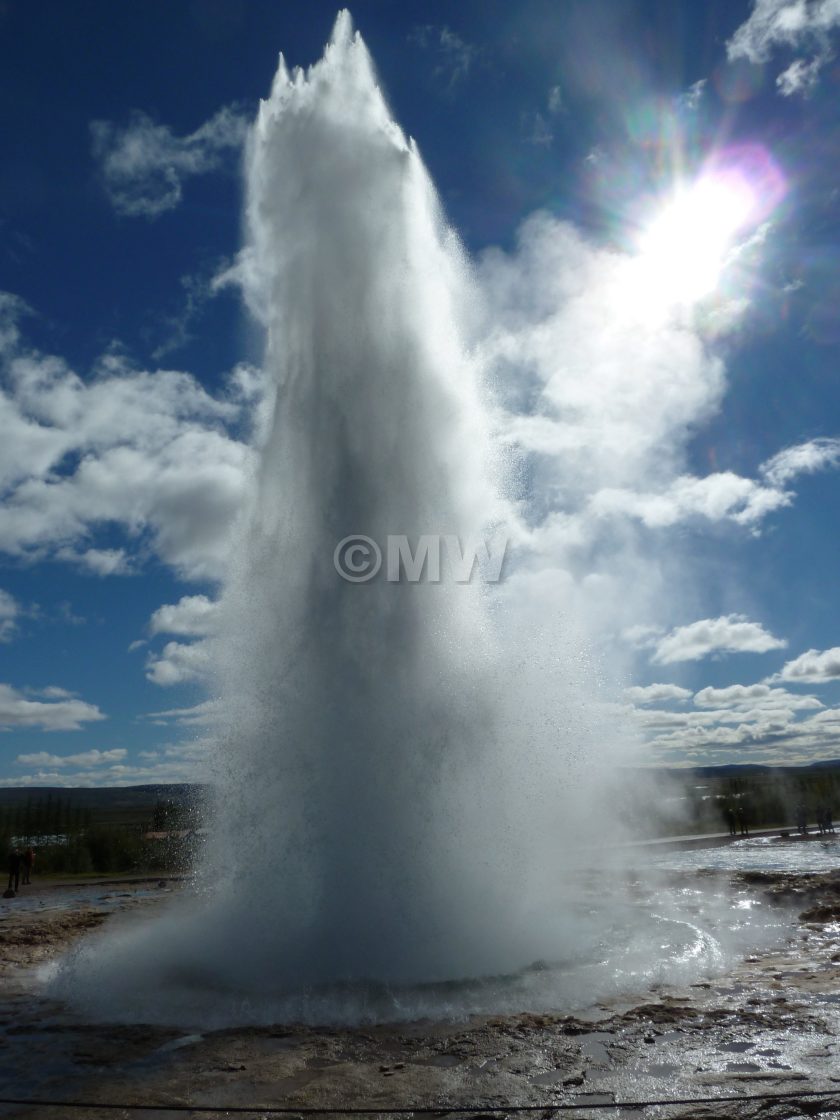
x=736, y=723
x=694, y=95
x=717, y=497
x=800, y=25
x=813, y=667
x=191, y=617
x=657, y=694
x=754, y=697
x=754, y=723
x=62, y=712
x=803, y=458
x=800, y=76
x=179, y=663
x=149, y=452
x=174, y=767
x=99, y=561
x=53, y=692
x=205, y=714
x=9, y=611
x=723, y=496
x=144, y=164
x=732, y=633
x=86, y=760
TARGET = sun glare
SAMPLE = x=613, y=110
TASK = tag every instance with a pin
x=683, y=251
x=682, y=254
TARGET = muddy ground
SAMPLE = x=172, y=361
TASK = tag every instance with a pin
x=770, y=1026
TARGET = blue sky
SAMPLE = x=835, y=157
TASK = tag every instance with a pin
x=556, y=135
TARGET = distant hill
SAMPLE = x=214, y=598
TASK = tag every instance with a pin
x=742, y=769
x=110, y=798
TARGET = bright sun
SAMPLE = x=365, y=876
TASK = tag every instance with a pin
x=683, y=251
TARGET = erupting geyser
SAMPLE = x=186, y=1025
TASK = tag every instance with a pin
x=398, y=770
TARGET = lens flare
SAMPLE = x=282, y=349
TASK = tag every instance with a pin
x=685, y=247
x=682, y=253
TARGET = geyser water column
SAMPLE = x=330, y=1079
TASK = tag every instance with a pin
x=394, y=774
x=361, y=715
x=365, y=793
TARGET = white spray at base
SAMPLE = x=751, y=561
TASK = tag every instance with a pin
x=402, y=771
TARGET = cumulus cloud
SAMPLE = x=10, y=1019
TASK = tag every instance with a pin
x=205, y=714
x=149, y=452
x=799, y=25
x=737, y=723
x=800, y=76
x=59, y=711
x=812, y=667
x=179, y=663
x=85, y=760
x=178, y=762
x=803, y=458
x=144, y=165
x=9, y=611
x=754, y=697
x=99, y=561
x=657, y=694
x=723, y=496
x=717, y=497
x=731, y=633
x=191, y=617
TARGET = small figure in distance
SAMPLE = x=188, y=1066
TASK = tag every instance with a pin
x=802, y=819
x=743, y=825
x=14, y=869
x=28, y=863
x=829, y=819
x=821, y=820
x=729, y=813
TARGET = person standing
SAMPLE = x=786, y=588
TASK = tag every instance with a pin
x=28, y=863
x=14, y=869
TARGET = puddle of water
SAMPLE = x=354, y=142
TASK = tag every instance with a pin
x=552, y=1077
x=661, y=1069
x=442, y=1061
x=593, y=1047
x=178, y=1043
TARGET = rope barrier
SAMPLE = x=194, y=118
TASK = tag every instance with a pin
x=420, y=1110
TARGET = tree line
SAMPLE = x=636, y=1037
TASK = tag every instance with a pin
x=68, y=839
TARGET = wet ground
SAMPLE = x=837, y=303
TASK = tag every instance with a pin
x=769, y=1026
